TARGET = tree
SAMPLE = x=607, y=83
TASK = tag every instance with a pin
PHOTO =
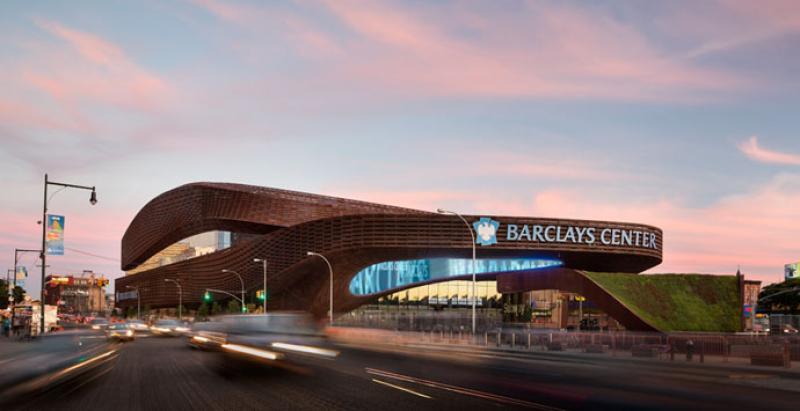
x=19, y=294
x=3, y=295
x=146, y=310
x=131, y=313
x=527, y=314
x=234, y=307
x=216, y=308
x=202, y=312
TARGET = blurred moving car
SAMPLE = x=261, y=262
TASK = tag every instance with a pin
x=99, y=324
x=119, y=332
x=266, y=337
x=138, y=325
x=169, y=328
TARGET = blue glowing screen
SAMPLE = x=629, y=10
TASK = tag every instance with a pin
x=402, y=274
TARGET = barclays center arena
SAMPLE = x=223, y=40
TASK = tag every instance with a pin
x=386, y=262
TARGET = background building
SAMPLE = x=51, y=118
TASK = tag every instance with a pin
x=84, y=295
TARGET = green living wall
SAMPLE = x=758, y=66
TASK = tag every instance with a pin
x=677, y=302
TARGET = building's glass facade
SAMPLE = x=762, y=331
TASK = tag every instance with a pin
x=391, y=275
x=448, y=293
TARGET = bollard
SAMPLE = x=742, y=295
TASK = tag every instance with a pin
x=672, y=350
x=787, y=357
x=702, y=351
x=486, y=339
x=529, y=341
x=513, y=339
x=726, y=349
x=613, y=345
x=498, y=338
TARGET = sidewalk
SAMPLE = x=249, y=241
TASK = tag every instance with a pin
x=371, y=338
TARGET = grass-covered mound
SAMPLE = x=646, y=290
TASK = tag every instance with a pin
x=677, y=302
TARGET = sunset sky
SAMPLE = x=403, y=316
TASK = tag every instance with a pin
x=683, y=115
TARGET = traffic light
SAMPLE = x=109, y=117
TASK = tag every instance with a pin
x=207, y=297
x=260, y=295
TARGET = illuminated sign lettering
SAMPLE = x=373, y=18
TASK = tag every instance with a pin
x=581, y=235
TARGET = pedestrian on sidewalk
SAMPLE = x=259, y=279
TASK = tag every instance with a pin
x=689, y=350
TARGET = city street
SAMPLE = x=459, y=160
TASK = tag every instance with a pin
x=164, y=373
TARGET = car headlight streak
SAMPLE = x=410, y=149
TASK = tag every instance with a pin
x=305, y=349
x=269, y=355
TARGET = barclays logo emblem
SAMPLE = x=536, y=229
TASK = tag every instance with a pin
x=486, y=230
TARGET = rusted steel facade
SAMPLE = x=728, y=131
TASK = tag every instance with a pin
x=351, y=234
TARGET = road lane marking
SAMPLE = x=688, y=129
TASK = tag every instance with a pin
x=460, y=390
x=419, y=394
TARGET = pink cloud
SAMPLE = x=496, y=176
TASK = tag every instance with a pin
x=753, y=151
x=234, y=13
x=92, y=70
x=545, y=51
x=739, y=23
x=542, y=50
x=89, y=46
x=87, y=231
x=757, y=229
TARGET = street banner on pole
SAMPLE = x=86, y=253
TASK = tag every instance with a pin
x=22, y=273
x=55, y=235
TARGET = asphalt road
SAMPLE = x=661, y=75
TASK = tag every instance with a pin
x=163, y=373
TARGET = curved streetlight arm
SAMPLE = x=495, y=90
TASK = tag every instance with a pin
x=330, y=270
x=469, y=227
x=471, y=236
x=213, y=290
x=240, y=280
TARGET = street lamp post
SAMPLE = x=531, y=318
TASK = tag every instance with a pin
x=263, y=262
x=180, y=297
x=242, y=281
x=330, y=269
x=472, y=236
x=92, y=200
x=138, y=301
